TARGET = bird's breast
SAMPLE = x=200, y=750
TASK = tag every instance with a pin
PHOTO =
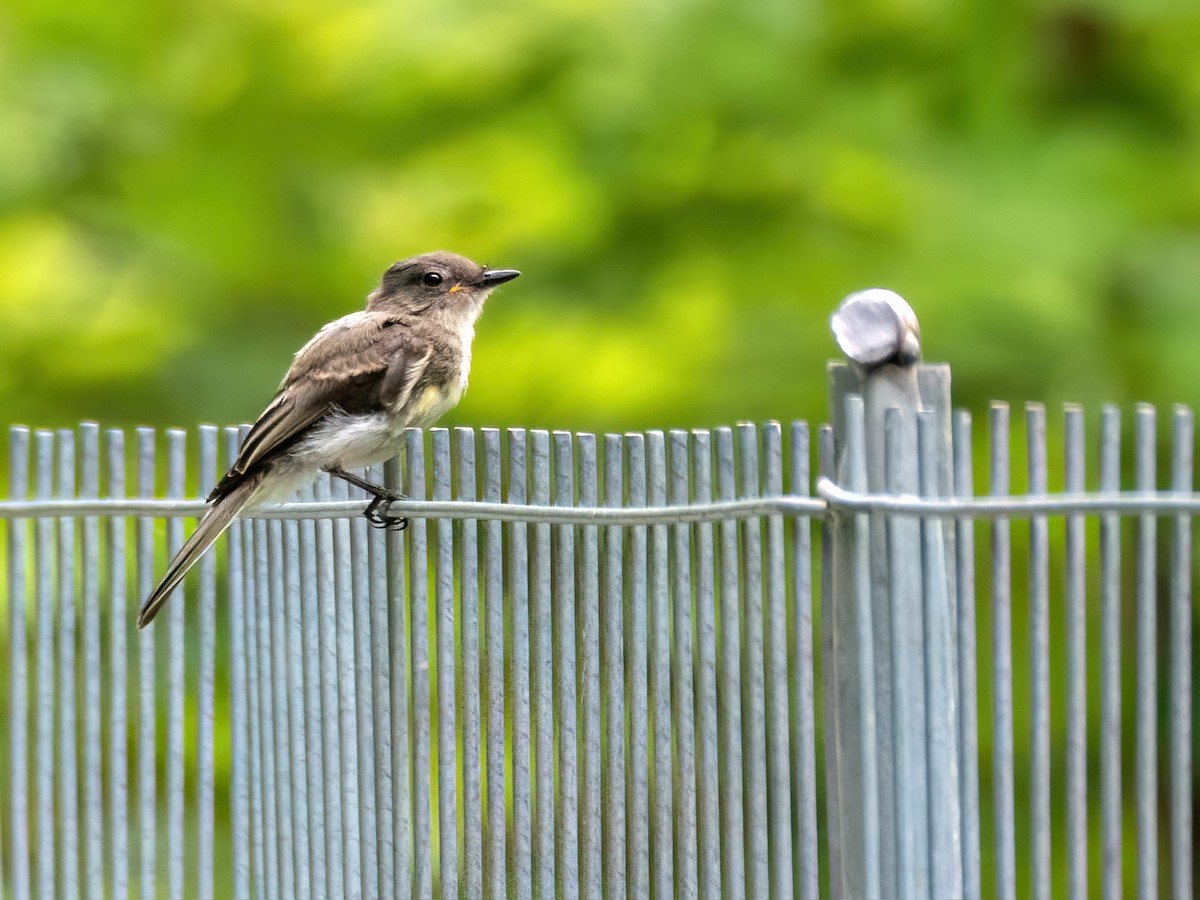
x=442, y=386
x=429, y=403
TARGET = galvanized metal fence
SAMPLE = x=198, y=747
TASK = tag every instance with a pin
x=588, y=667
x=901, y=668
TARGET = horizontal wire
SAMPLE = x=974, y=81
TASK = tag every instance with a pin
x=831, y=498
x=434, y=509
x=1017, y=506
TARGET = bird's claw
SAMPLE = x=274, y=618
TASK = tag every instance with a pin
x=376, y=514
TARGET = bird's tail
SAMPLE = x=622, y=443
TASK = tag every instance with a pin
x=216, y=519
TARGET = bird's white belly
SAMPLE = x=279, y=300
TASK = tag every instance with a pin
x=349, y=442
x=339, y=442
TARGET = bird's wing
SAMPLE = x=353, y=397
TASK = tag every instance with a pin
x=357, y=364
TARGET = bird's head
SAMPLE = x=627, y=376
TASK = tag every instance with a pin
x=440, y=283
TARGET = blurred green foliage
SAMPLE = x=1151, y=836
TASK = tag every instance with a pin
x=187, y=191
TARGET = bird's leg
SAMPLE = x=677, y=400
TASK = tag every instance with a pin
x=377, y=510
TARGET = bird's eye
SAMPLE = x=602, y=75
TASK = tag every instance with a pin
x=431, y=279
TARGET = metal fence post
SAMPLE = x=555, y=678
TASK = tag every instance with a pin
x=890, y=638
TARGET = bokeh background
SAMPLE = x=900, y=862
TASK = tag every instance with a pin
x=188, y=190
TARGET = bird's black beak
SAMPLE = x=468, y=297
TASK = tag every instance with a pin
x=493, y=277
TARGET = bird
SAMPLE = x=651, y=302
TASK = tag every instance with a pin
x=877, y=327
x=349, y=394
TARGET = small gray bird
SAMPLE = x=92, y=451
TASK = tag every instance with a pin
x=350, y=393
x=876, y=327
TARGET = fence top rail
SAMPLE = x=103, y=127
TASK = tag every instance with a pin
x=841, y=500
x=831, y=499
x=748, y=508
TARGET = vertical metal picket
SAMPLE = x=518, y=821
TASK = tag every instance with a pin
x=397, y=663
x=1076, y=602
x=754, y=751
x=1182, y=453
x=803, y=699
x=659, y=653
x=377, y=614
x=146, y=673
x=587, y=576
x=908, y=645
x=1039, y=643
x=1002, y=702
x=468, y=625
x=206, y=688
x=638, y=783
x=541, y=669
x=941, y=688
x=495, y=871
x=968, y=705
x=274, y=852
x=353, y=860
x=707, y=767
x=18, y=669
x=681, y=675
x=358, y=615
x=864, y=626
x=93, y=793
x=176, y=475
x=239, y=800
x=729, y=709
x=418, y=607
x=447, y=723
x=67, y=812
x=827, y=468
x=565, y=720
x=1146, y=780
x=779, y=774
x=44, y=724
x=331, y=743
x=1110, y=657
x=292, y=652
x=520, y=671
x=612, y=671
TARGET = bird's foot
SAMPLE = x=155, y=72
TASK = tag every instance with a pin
x=376, y=512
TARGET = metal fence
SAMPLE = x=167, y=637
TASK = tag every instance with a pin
x=588, y=667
